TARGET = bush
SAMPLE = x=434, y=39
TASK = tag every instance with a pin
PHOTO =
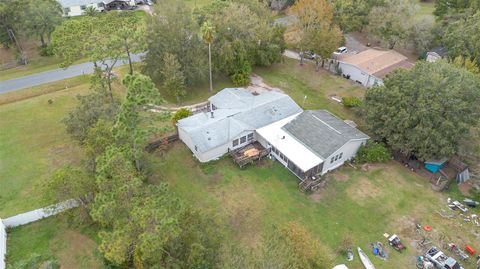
x=36, y=261
x=181, y=114
x=241, y=74
x=373, y=152
x=45, y=50
x=351, y=101
x=240, y=79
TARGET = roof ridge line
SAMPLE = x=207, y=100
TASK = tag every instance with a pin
x=328, y=125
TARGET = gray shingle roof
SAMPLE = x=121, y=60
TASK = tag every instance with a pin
x=239, y=111
x=441, y=51
x=322, y=132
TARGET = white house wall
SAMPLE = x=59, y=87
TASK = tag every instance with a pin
x=349, y=151
x=356, y=74
x=188, y=141
x=214, y=153
x=77, y=10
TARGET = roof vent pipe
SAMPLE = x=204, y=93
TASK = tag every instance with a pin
x=211, y=114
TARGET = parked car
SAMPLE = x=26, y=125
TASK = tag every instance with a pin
x=341, y=50
x=308, y=55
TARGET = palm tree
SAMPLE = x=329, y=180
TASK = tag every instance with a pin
x=90, y=11
x=207, y=35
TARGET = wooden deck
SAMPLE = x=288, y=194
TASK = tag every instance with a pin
x=249, y=154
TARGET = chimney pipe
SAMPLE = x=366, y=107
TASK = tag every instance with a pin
x=211, y=114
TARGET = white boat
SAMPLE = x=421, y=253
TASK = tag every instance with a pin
x=365, y=260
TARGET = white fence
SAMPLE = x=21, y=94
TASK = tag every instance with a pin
x=38, y=214
x=28, y=217
x=3, y=244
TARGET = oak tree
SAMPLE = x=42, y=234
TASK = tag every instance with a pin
x=426, y=110
x=391, y=21
x=314, y=27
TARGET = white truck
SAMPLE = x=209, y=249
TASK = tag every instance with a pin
x=440, y=260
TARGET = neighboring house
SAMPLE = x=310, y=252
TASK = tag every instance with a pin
x=436, y=54
x=370, y=67
x=77, y=7
x=309, y=143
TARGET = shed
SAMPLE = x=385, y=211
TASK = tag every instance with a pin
x=463, y=174
x=436, y=54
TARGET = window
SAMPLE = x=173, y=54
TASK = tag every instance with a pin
x=196, y=148
x=340, y=156
x=235, y=142
x=332, y=159
x=336, y=157
x=66, y=10
x=83, y=7
x=243, y=139
x=250, y=137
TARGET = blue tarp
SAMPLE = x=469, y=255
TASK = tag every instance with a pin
x=434, y=166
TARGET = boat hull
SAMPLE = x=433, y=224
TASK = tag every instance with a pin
x=367, y=263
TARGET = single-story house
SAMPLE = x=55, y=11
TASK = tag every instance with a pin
x=77, y=7
x=230, y=124
x=436, y=54
x=370, y=67
x=309, y=143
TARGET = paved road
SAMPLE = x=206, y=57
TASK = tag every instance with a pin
x=55, y=75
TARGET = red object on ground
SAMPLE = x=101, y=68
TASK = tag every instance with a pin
x=427, y=228
x=469, y=249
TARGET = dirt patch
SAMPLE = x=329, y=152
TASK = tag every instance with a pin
x=264, y=163
x=75, y=250
x=317, y=196
x=64, y=154
x=339, y=177
x=465, y=188
x=216, y=177
x=363, y=190
x=243, y=209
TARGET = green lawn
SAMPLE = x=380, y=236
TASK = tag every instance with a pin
x=34, y=143
x=71, y=247
x=355, y=204
x=426, y=9
x=300, y=81
x=197, y=94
